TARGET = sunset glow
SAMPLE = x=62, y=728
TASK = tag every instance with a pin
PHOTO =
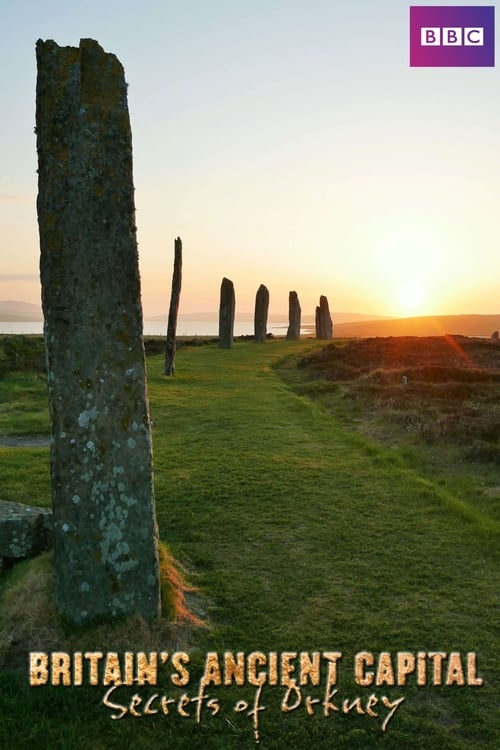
x=411, y=295
x=328, y=167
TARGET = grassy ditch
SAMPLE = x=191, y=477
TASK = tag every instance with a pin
x=300, y=535
x=433, y=401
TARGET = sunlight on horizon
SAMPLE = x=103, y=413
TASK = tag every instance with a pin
x=411, y=295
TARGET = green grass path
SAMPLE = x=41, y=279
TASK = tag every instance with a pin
x=308, y=537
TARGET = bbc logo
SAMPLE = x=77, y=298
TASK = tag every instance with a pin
x=451, y=37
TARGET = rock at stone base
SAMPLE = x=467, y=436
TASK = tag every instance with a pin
x=25, y=530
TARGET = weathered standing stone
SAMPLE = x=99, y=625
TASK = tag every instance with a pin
x=226, y=314
x=294, y=313
x=261, y=310
x=174, y=308
x=324, y=325
x=105, y=531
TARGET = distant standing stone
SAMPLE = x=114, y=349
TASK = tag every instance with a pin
x=324, y=325
x=174, y=308
x=294, y=313
x=226, y=314
x=261, y=311
x=105, y=531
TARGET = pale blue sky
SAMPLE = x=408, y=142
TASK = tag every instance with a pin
x=288, y=143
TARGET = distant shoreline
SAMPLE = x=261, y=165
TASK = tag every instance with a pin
x=461, y=325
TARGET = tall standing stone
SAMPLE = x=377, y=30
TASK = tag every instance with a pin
x=324, y=325
x=174, y=308
x=226, y=314
x=294, y=313
x=105, y=530
x=261, y=311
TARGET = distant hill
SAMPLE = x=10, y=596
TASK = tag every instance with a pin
x=465, y=325
x=246, y=317
x=15, y=311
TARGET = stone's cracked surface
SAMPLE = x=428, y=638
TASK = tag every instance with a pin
x=104, y=521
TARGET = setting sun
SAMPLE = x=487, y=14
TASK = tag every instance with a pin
x=411, y=295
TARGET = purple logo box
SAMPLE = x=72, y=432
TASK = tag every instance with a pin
x=452, y=36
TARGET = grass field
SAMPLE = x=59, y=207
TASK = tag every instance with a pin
x=301, y=535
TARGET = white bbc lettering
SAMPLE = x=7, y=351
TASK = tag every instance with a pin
x=474, y=37
x=451, y=36
x=430, y=36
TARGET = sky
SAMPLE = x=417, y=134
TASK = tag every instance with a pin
x=287, y=142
